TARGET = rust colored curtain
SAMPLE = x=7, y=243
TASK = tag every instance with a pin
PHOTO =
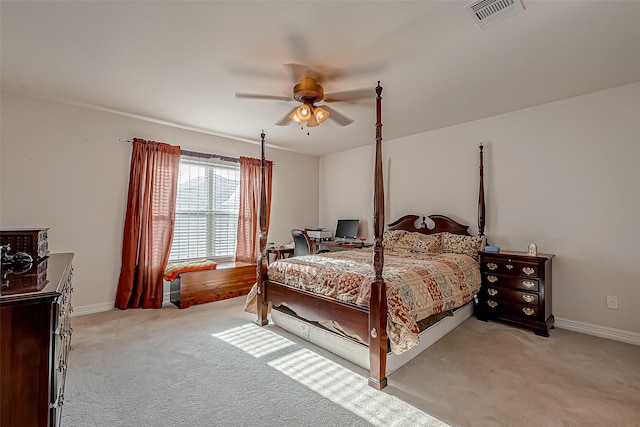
x=249, y=215
x=148, y=224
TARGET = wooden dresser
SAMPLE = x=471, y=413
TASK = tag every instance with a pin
x=516, y=288
x=35, y=307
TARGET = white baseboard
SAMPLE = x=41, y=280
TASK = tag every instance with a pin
x=598, y=331
x=93, y=308
x=105, y=306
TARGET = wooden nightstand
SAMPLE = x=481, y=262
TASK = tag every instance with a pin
x=516, y=288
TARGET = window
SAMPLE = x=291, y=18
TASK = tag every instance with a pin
x=207, y=208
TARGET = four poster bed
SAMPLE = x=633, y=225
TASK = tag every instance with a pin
x=428, y=274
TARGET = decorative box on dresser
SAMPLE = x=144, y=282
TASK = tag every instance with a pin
x=30, y=240
x=516, y=288
x=35, y=307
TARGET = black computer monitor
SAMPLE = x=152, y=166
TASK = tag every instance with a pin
x=347, y=228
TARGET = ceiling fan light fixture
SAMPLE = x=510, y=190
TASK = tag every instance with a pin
x=320, y=114
x=294, y=116
x=303, y=112
x=312, y=122
x=308, y=92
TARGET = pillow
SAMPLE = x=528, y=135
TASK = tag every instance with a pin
x=391, y=237
x=418, y=243
x=465, y=245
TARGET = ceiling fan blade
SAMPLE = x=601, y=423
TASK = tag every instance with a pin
x=350, y=95
x=285, y=120
x=373, y=68
x=259, y=96
x=339, y=118
x=296, y=71
x=324, y=74
x=260, y=72
x=298, y=46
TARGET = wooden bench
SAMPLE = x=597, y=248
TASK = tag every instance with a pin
x=228, y=280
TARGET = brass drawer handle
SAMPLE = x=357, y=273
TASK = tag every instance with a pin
x=528, y=298
x=528, y=284
x=528, y=270
x=528, y=311
x=492, y=304
x=492, y=266
x=492, y=279
x=492, y=292
x=509, y=266
x=59, y=401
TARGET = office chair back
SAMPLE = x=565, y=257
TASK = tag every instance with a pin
x=302, y=244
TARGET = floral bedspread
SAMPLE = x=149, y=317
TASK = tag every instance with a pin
x=418, y=285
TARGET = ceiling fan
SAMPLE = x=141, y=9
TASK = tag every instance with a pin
x=309, y=92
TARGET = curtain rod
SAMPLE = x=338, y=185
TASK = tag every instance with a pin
x=210, y=156
x=197, y=154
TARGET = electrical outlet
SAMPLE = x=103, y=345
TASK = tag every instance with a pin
x=612, y=302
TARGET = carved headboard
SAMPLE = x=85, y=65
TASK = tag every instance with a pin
x=442, y=224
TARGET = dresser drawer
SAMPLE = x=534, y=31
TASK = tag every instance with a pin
x=510, y=268
x=496, y=280
x=506, y=294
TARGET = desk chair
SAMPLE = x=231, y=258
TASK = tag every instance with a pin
x=302, y=244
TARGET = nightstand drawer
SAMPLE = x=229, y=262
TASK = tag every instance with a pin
x=510, y=282
x=509, y=268
x=498, y=307
x=506, y=294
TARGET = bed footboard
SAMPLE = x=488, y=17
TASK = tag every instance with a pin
x=313, y=307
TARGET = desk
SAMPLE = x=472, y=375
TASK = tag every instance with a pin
x=279, y=253
x=335, y=246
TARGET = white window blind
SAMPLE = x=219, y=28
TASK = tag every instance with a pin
x=207, y=206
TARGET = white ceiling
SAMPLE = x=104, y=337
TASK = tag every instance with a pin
x=181, y=62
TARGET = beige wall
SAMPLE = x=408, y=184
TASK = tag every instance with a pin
x=64, y=168
x=563, y=175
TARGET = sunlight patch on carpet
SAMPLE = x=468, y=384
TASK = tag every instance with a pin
x=329, y=379
x=254, y=339
x=351, y=391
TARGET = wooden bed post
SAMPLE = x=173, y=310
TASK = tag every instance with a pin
x=378, y=299
x=481, y=196
x=261, y=264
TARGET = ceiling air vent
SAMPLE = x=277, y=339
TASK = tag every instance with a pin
x=485, y=12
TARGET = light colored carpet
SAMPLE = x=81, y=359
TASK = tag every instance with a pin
x=209, y=365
